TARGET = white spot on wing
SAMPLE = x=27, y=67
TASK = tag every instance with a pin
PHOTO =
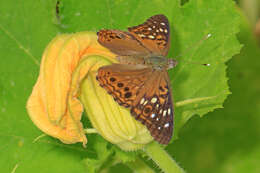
x=166, y=125
x=141, y=35
x=154, y=99
x=162, y=23
x=153, y=115
x=142, y=101
x=164, y=113
x=169, y=111
x=150, y=36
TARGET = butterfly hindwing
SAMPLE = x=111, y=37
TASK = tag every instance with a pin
x=146, y=92
x=154, y=107
x=123, y=82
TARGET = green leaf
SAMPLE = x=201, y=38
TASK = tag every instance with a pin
x=189, y=25
x=228, y=140
x=103, y=153
x=28, y=26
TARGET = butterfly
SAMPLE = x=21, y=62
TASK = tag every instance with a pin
x=140, y=81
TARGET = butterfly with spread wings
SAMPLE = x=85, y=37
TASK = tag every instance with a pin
x=141, y=82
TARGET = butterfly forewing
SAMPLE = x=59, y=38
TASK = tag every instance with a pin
x=121, y=43
x=154, y=34
x=151, y=37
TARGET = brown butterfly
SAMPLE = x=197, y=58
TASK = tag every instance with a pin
x=141, y=82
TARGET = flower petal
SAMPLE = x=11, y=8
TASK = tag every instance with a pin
x=53, y=105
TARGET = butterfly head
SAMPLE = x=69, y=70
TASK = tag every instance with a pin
x=171, y=63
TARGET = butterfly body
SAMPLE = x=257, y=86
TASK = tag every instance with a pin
x=140, y=81
x=158, y=62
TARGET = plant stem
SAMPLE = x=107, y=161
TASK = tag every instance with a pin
x=139, y=166
x=107, y=165
x=164, y=161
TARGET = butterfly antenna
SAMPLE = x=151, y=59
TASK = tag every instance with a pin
x=195, y=45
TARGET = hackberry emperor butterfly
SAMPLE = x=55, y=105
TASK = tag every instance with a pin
x=141, y=82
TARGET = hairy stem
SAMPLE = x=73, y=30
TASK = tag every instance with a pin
x=107, y=165
x=164, y=161
x=139, y=166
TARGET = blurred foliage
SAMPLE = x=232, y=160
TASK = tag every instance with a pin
x=251, y=9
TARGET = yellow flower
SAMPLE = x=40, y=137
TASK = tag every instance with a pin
x=67, y=82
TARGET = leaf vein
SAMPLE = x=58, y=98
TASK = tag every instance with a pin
x=20, y=46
